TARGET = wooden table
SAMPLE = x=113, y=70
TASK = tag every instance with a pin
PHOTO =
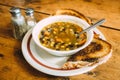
x=13, y=66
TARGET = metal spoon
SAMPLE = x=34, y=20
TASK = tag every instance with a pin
x=93, y=26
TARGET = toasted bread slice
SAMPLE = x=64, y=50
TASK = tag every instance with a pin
x=97, y=49
x=72, y=12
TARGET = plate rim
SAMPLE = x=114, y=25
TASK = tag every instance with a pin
x=49, y=71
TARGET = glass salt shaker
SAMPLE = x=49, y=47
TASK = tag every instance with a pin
x=19, y=24
x=30, y=19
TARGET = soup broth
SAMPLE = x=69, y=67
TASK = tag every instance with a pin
x=62, y=36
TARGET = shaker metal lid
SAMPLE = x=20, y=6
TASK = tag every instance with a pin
x=29, y=11
x=15, y=10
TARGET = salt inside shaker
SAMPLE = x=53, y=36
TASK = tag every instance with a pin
x=19, y=24
x=30, y=19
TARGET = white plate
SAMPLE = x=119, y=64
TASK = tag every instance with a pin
x=49, y=64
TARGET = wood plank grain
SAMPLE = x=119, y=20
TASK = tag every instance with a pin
x=13, y=66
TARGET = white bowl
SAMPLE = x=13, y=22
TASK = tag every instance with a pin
x=61, y=18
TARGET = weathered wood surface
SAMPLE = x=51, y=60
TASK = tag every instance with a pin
x=12, y=63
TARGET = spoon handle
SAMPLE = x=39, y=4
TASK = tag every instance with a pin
x=93, y=26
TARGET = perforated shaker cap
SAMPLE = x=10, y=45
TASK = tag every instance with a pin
x=29, y=11
x=15, y=11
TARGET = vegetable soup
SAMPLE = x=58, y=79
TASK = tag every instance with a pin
x=62, y=36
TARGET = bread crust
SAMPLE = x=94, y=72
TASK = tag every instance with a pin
x=72, y=12
x=89, y=55
x=97, y=49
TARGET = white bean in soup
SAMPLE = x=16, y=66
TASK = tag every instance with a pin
x=62, y=36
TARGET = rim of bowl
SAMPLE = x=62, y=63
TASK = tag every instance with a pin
x=90, y=33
